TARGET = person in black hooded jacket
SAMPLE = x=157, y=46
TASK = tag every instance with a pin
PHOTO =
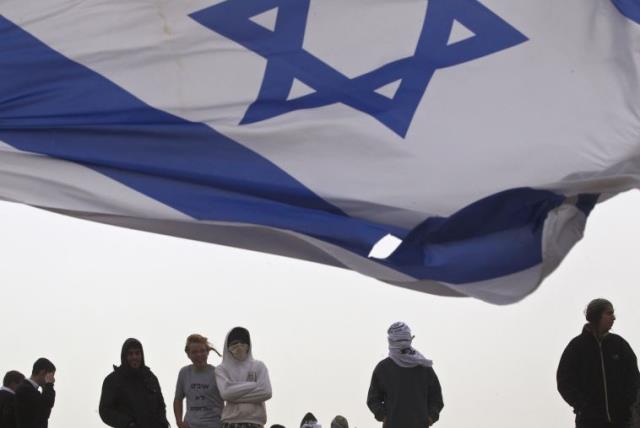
x=598, y=372
x=131, y=395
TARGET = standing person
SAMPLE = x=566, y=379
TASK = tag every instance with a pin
x=131, y=395
x=197, y=383
x=33, y=407
x=10, y=383
x=404, y=391
x=243, y=383
x=598, y=372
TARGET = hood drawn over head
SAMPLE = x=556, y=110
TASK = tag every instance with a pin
x=130, y=343
x=237, y=333
x=237, y=368
x=309, y=420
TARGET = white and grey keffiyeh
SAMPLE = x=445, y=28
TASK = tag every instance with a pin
x=400, y=350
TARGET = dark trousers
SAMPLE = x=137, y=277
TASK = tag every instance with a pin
x=241, y=425
x=601, y=425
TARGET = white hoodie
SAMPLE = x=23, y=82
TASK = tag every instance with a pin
x=245, y=386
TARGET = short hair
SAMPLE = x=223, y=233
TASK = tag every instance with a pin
x=198, y=338
x=12, y=377
x=595, y=309
x=43, y=364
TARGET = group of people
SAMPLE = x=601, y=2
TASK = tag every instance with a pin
x=27, y=402
x=597, y=376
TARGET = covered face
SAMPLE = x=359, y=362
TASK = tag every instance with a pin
x=239, y=343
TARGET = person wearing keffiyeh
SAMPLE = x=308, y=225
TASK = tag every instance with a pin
x=405, y=391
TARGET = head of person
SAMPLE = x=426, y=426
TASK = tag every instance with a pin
x=339, y=422
x=197, y=349
x=399, y=336
x=132, y=355
x=277, y=426
x=239, y=343
x=600, y=315
x=308, y=421
x=41, y=369
x=12, y=379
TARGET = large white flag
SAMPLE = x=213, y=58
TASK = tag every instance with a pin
x=477, y=135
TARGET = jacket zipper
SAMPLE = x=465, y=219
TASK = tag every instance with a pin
x=604, y=382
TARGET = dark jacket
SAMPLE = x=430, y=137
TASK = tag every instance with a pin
x=32, y=407
x=132, y=397
x=598, y=378
x=7, y=410
x=406, y=397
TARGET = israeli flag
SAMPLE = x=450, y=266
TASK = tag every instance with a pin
x=454, y=147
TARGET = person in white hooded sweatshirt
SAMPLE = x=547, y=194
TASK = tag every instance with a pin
x=243, y=383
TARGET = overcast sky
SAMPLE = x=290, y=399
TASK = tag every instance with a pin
x=75, y=290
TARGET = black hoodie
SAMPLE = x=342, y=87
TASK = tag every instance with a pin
x=132, y=397
x=599, y=378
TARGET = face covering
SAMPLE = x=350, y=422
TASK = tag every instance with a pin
x=400, y=350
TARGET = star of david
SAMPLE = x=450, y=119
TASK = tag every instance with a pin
x=287, y=60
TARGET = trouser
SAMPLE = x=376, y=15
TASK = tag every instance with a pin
x=240, y=425
x=601, y=425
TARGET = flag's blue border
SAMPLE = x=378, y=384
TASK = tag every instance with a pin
x=629, y=8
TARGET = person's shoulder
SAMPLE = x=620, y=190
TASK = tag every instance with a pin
x=618, y=339
x=185, y=370
x=149, y=373
x=25, y=388
x=113, y=376
x=580, y=339
x=259, y=365
x=430, y=371
x=384, y=364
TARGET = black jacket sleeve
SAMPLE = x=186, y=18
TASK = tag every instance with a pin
x=376, y=396
x=108, y=409
x=434, y=398
x=632, y=375
x=162, y=408
x=8, y=416
x=568, y=378
x=48, y=399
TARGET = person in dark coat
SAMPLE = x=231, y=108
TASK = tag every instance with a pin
x=404, y=391
x=598, y=372
x=33, y=407
x=10, y=383
x=131, y=395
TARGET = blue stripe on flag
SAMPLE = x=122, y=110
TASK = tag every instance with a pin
x=629, y=8
x=498, y=234
x=57, y=107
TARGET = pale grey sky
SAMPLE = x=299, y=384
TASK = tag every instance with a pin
x=75, y=290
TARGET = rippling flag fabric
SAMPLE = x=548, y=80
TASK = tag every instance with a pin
x=454, y=147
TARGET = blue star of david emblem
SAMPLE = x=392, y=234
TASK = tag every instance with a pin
x=287, y=60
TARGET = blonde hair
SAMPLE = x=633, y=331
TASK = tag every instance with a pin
x=198, y=338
